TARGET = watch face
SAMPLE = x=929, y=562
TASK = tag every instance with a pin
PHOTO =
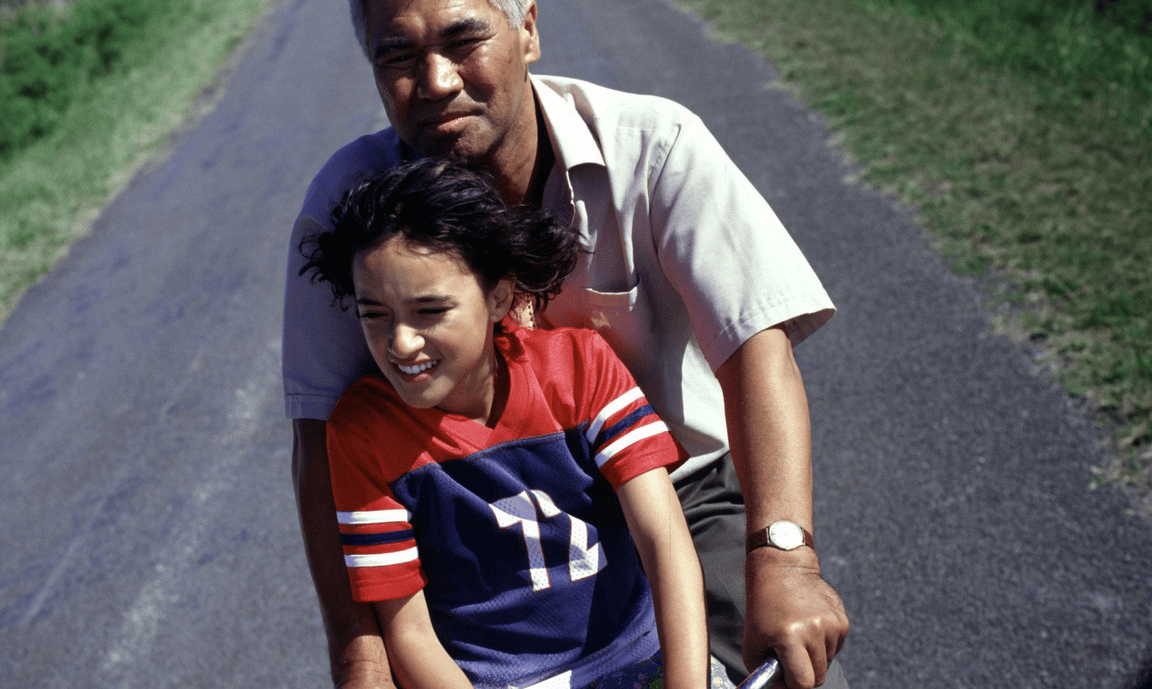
x=786, y=535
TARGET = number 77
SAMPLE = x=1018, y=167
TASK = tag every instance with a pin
x=583, y=561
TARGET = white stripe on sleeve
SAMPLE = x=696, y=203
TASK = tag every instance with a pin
x=374, y=516
x=630, y=438
x=610, y=409
x=381, y=559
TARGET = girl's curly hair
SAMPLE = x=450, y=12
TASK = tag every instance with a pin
x=442, y=206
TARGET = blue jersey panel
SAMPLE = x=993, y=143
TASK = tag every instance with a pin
x=531, y=566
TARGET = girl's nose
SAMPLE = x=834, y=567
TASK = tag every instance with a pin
x=405, y=343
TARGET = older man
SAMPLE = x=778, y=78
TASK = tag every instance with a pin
x=691, y=278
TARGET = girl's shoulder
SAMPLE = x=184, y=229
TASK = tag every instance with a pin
x=576, y=360
x=575, y=369
x=553, y=346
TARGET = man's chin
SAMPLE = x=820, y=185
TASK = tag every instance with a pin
x=455, y=148
x=436, y=146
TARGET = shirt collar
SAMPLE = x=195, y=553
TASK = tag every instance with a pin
x=572, y=141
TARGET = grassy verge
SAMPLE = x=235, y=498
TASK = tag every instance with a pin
x=52, y=190
x=1021, y=134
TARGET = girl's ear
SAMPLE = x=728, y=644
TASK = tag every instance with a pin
x=500, y=300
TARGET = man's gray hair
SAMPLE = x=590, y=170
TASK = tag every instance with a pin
x=513, y=11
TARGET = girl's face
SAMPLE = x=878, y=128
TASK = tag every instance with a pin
x=428, y=323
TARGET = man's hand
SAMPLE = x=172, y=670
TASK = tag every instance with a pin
x=793, y=613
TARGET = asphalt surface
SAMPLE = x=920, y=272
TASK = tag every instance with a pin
x=148, y=535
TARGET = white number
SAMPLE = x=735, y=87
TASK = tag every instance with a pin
x=583, y=561
x=518, y=509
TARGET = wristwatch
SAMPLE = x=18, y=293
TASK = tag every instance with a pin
x=783, y=535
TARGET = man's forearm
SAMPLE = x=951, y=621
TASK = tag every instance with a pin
x=355, y=647
x=768, y=430
x=790, y=610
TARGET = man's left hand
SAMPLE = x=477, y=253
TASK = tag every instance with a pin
x=792, y=613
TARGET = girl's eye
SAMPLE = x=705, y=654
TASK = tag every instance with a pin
x=433, y=311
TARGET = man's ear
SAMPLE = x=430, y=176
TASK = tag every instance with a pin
x=500, y=300
x=529, y=36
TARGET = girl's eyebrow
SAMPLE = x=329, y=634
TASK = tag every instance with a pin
x=425, y=299
x=429, y=299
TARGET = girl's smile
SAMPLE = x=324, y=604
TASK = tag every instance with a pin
x=417, y=369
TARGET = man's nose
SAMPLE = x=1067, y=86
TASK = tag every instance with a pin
x=439, y=78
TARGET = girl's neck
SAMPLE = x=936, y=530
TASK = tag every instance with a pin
x=501, y=387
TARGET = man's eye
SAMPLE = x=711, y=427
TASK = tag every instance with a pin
x=396, y=60
x=434, y=311
x=466, y=45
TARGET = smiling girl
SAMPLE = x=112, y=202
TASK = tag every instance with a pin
x=495, y=484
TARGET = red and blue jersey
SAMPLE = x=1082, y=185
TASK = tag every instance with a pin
x=514, y=532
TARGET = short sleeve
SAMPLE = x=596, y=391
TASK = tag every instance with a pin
x=724, y=250
x=323, y=350
x=626, y=435
x=376, y=533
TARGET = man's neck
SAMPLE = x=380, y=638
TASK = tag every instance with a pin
x=542, y=165
x=522, y=178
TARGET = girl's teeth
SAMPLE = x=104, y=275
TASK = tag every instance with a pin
x=413, y=370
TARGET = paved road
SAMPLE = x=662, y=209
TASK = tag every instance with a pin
x=147, y=527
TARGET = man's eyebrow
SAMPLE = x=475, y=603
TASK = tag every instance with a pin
x=389, y=44
x=465, y=26
x=470, y=25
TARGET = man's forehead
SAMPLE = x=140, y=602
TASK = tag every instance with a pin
x=436, y=15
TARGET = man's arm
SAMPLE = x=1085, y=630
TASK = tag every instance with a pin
x=355, y=647
x=790, y=610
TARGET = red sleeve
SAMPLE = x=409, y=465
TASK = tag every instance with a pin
x=375, y=530
x=627, y=436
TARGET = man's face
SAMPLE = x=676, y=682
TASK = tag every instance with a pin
x=453, y=76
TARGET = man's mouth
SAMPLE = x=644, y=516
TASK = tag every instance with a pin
x=415, y=369
x=445, y=120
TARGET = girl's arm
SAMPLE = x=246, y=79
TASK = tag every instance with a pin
x=661, y=535
x=415, y=653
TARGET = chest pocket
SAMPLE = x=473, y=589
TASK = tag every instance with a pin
x=624, y=320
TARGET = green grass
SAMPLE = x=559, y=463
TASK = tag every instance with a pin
x=51, y=190
x=1020, y=134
